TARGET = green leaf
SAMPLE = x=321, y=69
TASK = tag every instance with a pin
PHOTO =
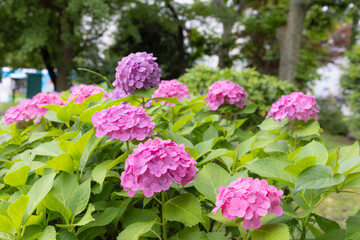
x=86, y=117
x=220, y=218
x=278, y=146
x=270, y=124
x=48, y=234
x=53, y=204
x=180, y=123
x=250, y=108
x=135, y=230
x=271, y=168
x=66, y=235
x=184, y=208
x=87, y=217
x=89, y=149
x=101, y=219
x=204, y=147
x=94, y=98
x=317, y=177
x=335, y=234
x=209, y=179
x=143, y=215
x=277, y=231
x=296, y=168
x=37, y=192
x=179, y=139
x=76, y=150
x=353, y=227
x=173, y=100
x=215, y=154
x=308, y=129
x=64, y=187
x=5, y=225
x=16, y=211
x=245, y=147
x=80, y=198
x=210, y=133
x=313, y=149
x=48, y=149
x=348, y=152
x=142, y=92
x=17, y=177
x=62, y=162
x=325, y=224
x=348, y=165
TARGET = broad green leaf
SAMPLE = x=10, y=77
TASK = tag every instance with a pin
x=210, y=133
x=52, y=203
x=173, y=100
x=209, y=179
x=277, y=231
x=220, y=218
x=184, y=208
x=143, y=215
x=353, y=184
x=204, y=147
x=5, y=225
x=348, y=165
x=48, y=149
x=99, y=172
x=87, y=217
x=76, y=150
x=270, y=124
x=245, y=147
x=37, y=192
x=94, y=98
x=271, y=168
x=308, y=129
x=66, y=235
x=179, y=139
x=64, y=187
x=39, y=135
x=135, y=230
x=16, y=211
x=278, y=146
x=250, y=108
x=313, y=149
x=142, y=92
x=296, y=168
x=48, y=234
x=62, y=162
x=215, y=154
x=348, y=152
x=334, y=234
x=101, y=219
x=353, y=227
x=80, y=198
x=89, y=149
x=215, y=236
x=317, y=177
x=17, y=177
x=326, y=224
x=86, y=117
x=180, y=123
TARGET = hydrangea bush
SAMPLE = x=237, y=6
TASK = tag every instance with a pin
x=108, y=168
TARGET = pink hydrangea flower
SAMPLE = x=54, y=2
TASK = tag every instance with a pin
x=249, y=199
x=155, y=165
x=83, y=91
x=294, y=106
x=118, y=93
x=137, y=71
x=225, y=93
x=30, y=109
x=172, y=88
x=124, y=122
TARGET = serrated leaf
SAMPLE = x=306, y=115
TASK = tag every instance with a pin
x=48, y=234
x=215, y=154
x=204, y=147
x=179, y=139
x=80, y=198
x=278, y=146
x=63, y=162
x=277, y=231
x=220, y=218
x=5, y=225
x=270, y=124
x=173, y=100
x=313, y=149
x=16, y=211
x=17, y=177
x=209, y=179
x=142, y=92
x=135, y=230
x=101, y=219
x=48, y=149
x=184, y=208
x=348, y=152
x=296, y=168
x=308, y=129
x=353, y=227
x=53, y=204
x=180, y=123
x=210, y=133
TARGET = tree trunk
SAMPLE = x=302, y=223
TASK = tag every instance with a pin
x=354, y=29
x=290, y=39
x=47, y=61
x=225, y=45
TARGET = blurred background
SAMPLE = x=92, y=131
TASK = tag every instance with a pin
x=270, y=47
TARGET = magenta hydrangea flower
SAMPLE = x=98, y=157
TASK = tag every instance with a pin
x=249, y=199
x=30, y=109
x=155, y=165
x=124, y=122
x=136, y=71
x=225, y=93
x=172, y=88
x=118, y=93
x=83, y=91
x=294, y=106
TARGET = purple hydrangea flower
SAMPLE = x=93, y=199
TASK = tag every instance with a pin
x=155, y=165
x=172, y=88
x=296, y=105
x=124, y=122
x=137, y=71
x=249, y=199
x=225, y=93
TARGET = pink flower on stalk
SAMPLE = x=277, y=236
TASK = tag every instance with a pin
x=137, y=71
x=124, y=122
x=294, y=106
x=249, y=199
x=225, y=93
x=172, y=88
x=155, y=165
x=82, y=91
x=30, y=109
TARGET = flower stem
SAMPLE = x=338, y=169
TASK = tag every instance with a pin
x=127, y=146
x=246, y=236
x=163, y=199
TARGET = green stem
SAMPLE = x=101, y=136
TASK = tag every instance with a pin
x=304, y=230
x=163, y=198
x=235, y=159
x=127, y=146
x=98, y=74
x=247, y=235
x=219, y=227
x=173, y=114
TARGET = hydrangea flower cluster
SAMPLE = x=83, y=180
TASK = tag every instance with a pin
x=83, y=91
x=296, y=105
x=137, y=70
x=225, y=93
x=124, y=122
x=155, y=165
x=172, y=88
x=30, y=109
x=118, y=93
x=249, y=199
